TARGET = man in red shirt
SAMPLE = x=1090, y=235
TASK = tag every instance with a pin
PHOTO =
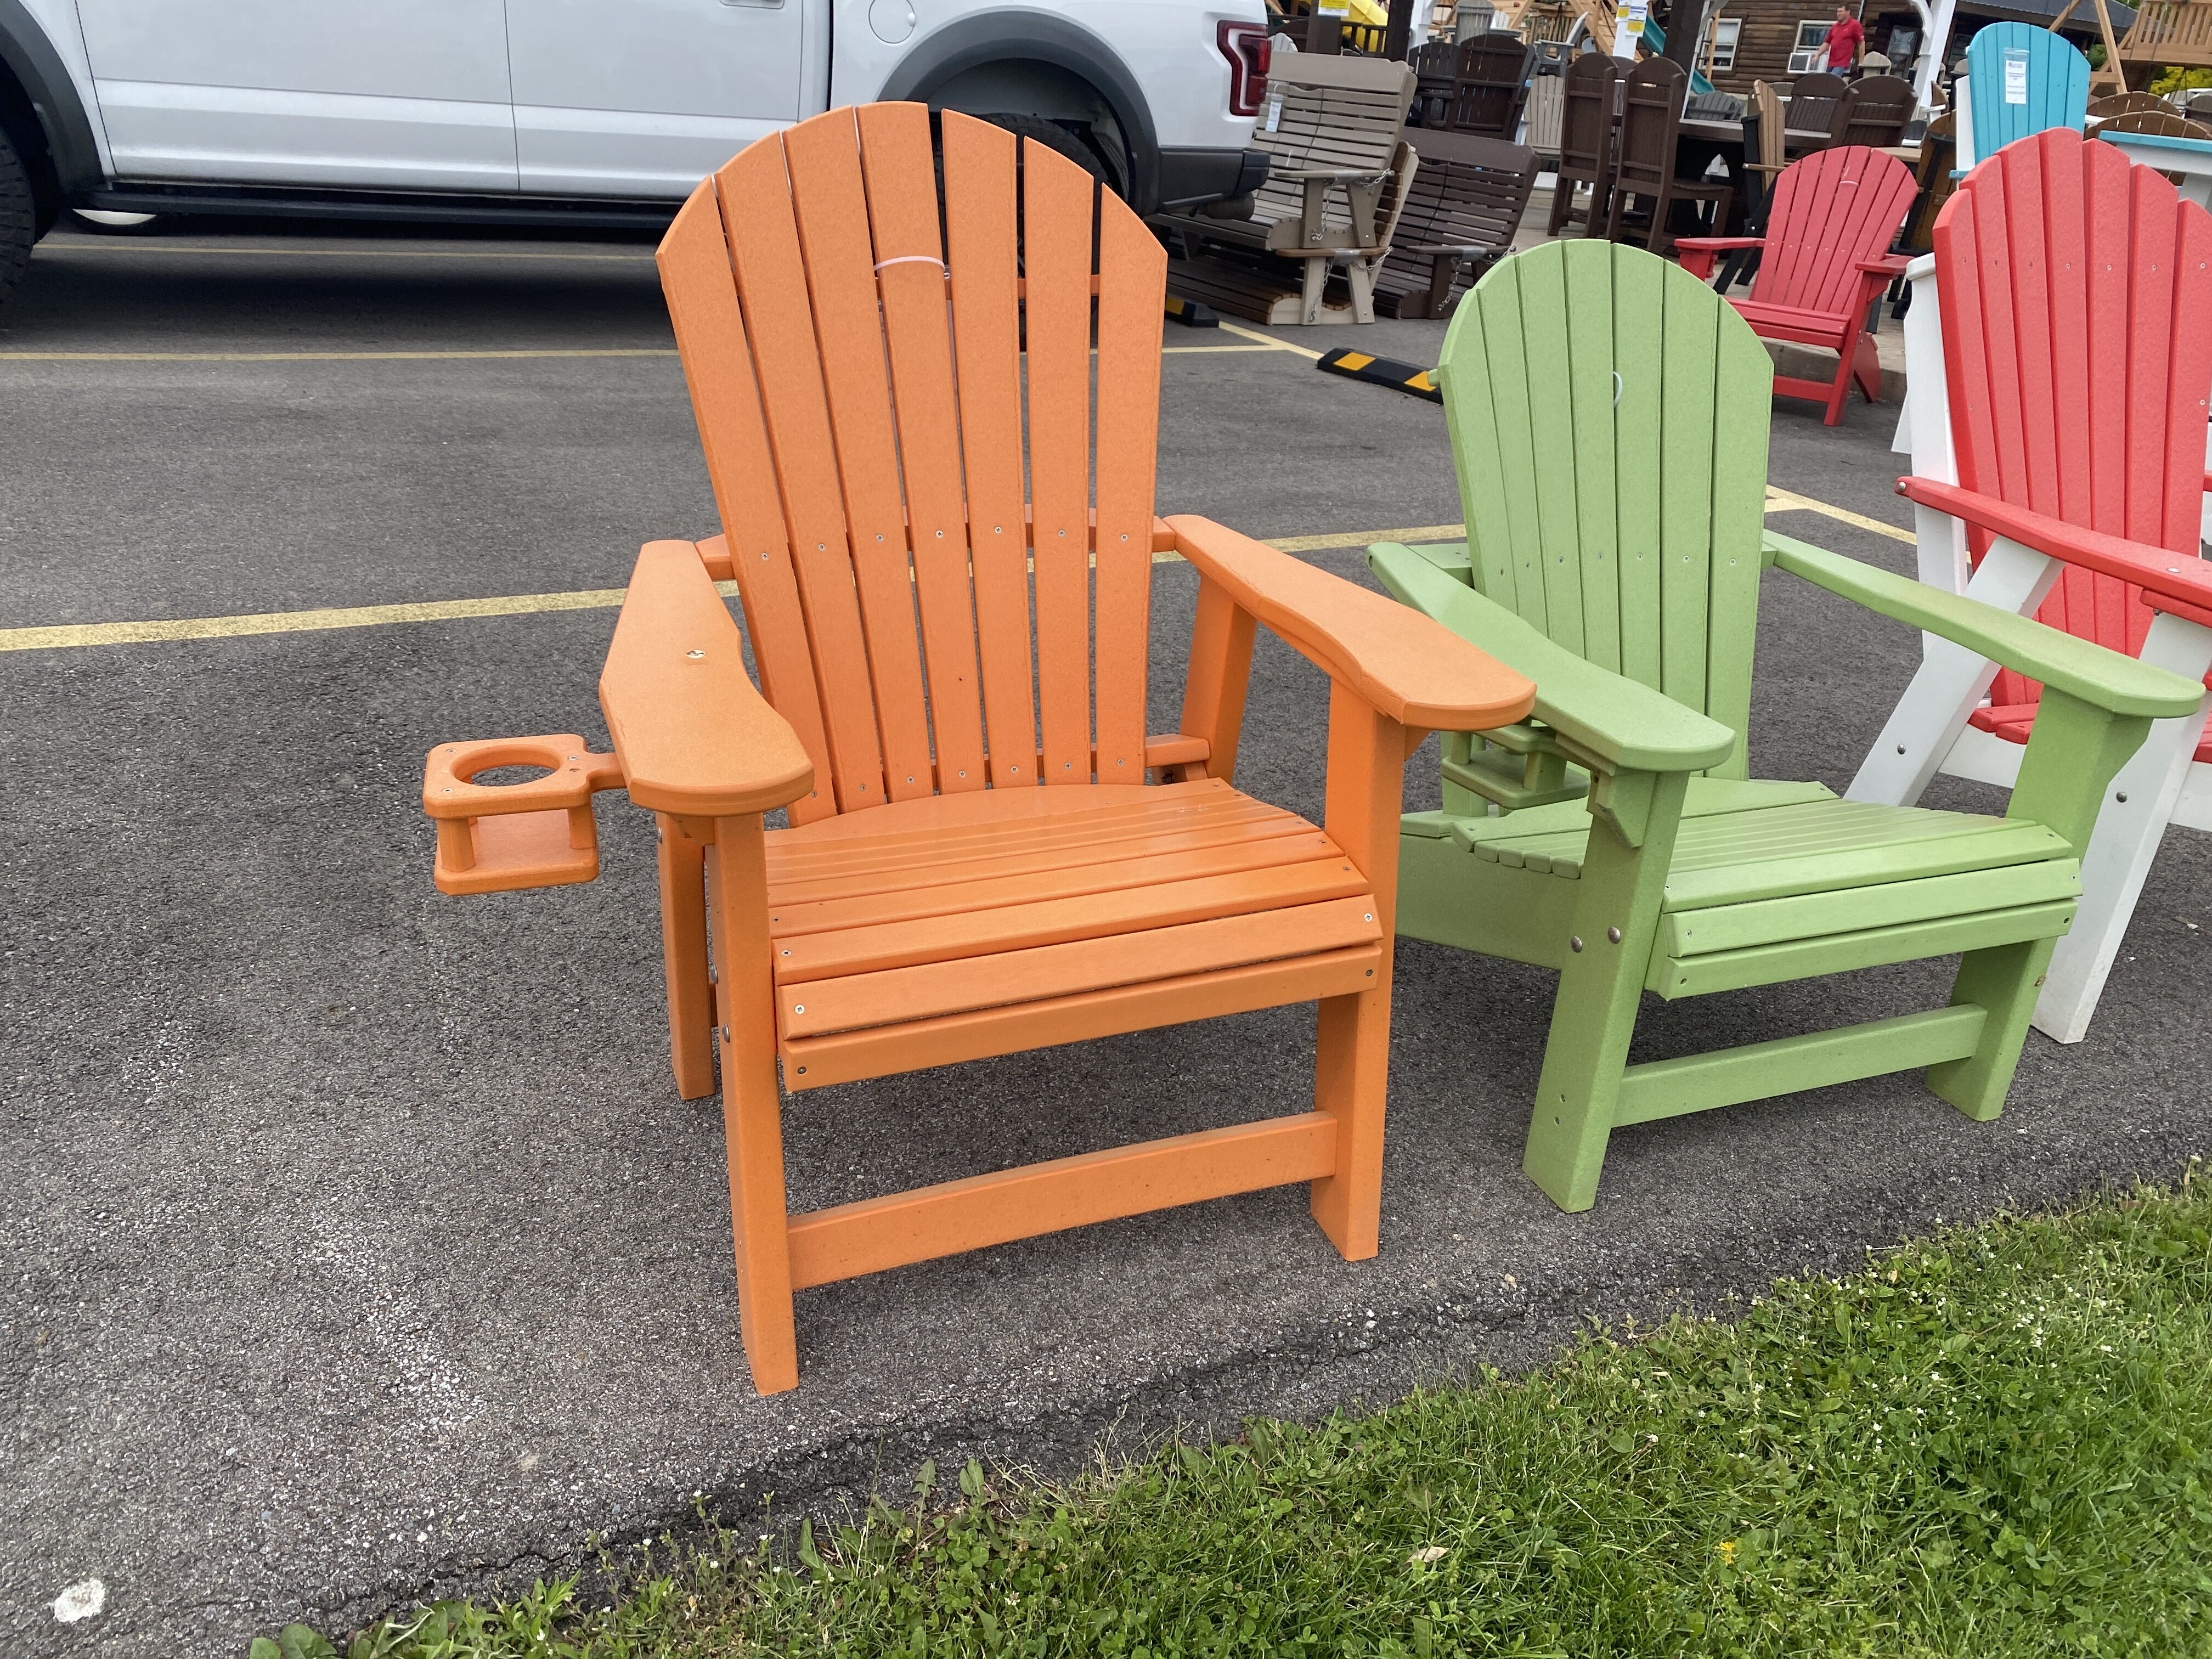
x=1844, y=40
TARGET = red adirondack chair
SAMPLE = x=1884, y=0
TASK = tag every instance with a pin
x=1823, y=261
x=2058, y=448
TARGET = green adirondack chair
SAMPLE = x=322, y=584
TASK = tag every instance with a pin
x=1608, y=417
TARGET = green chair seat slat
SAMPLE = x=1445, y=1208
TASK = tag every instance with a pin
x=1886, y=904
x=1842, y=953
x=1743, y=842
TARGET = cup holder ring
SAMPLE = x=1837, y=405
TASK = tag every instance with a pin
x=495, y=837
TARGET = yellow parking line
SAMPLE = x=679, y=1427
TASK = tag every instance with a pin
x=70, y=635
x=301, y=622
x=1783, y=501
x=1267, y=340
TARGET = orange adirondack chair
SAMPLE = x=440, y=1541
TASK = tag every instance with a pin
x=975, y=864
x=1823, y=259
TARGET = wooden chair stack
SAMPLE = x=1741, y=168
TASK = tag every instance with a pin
x=1652, y=97
x=1461, y=216
x=1589, y=101
x=897, y=410
x=1489, y=84
x=1816, y=99
x=1875, y=112
x=1339, y=166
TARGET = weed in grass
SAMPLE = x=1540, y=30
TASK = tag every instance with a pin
x=1997, y=1441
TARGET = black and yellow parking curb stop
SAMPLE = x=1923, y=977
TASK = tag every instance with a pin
x=1190, y=313
x=1382, y=371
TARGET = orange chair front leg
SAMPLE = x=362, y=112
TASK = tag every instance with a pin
x=1367, y=755
x=752, y=1103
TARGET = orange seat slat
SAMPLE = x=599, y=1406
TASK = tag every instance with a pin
x=904, y=843
x=883, y=1050
x=963, y=935
x=897, y=995
x=1246, y=843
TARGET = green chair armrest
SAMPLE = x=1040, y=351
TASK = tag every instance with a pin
x=2077, y=667
x=1622, y=725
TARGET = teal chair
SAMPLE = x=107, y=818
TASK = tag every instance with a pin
x=2020, y=80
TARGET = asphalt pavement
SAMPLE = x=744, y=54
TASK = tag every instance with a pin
x=356, y=1246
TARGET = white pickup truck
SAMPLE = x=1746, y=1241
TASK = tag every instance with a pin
x=590, y=113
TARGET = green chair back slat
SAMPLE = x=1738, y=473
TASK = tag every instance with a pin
x=1599, y=506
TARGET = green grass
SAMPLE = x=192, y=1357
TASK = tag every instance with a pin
x=1995, y=1441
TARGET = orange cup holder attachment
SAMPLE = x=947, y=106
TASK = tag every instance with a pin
x=500, y=837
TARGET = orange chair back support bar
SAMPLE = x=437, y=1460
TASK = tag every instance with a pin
x=838, y=345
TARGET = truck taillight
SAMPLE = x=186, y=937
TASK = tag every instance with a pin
x=1245, y=45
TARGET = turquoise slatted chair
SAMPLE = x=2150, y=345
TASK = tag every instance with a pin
x=2021, y=81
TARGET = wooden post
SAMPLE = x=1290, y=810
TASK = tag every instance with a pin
x=1398, y=33
x=1686, y=25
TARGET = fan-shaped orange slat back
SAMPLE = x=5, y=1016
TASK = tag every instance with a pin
x=872, y=395
x=2076, y=292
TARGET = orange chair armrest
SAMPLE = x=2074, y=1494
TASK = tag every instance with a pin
x=694, y=736
x=1405, y=665
x=2162, y=574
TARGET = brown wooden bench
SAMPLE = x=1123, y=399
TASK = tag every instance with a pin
x=1462, y=210
x=1333, y=129
x=1258, y=284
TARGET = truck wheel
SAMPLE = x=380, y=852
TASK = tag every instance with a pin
x=1055, y=137
x=19, y=220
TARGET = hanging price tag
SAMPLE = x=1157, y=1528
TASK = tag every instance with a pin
x=2015, y=76
x=1274, y=115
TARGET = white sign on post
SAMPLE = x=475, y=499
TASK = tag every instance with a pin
x=1628, y=26
x=2015, y=75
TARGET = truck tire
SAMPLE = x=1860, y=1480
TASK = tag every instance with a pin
x=19, y=217
x=1056, y=138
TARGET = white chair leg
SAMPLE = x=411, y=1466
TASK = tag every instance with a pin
x=2136, y=809
x=1949, y=685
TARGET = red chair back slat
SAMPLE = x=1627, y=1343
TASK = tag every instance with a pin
x=2076, y=294
x=1831, y=209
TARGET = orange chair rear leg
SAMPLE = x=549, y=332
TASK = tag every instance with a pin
x=683, y=955
x=751, y=1100
x=1351, y=1061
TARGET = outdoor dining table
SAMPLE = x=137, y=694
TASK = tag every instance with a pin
x=2190, y=158
x=1703, y=138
